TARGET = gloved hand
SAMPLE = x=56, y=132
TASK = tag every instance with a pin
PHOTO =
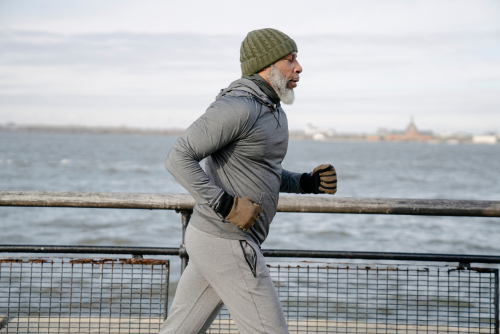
x=244, y=213
x=239, y=211
x=322, y=180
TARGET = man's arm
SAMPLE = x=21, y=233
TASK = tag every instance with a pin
x=323, y=180
x=220, y=125
x=290, y=182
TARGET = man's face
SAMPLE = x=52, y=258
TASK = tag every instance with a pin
x=290, y=68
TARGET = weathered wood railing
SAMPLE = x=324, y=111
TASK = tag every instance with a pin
x=310, y=203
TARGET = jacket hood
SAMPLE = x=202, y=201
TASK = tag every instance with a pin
x=248, y=86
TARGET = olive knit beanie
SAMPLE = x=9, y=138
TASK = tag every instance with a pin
x=262, y=48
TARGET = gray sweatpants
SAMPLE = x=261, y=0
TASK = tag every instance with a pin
x=224, y=271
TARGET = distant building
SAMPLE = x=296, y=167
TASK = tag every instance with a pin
x=373, y=137
x=410, y=134
x=311, y=130
x=318, y=136
x=484, y=139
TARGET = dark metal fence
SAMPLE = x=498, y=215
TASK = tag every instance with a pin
x=75, y=295
x=63, y=295
x=60, y=295
x=357, y=298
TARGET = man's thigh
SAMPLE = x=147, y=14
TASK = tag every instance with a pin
x=238, y=273
x=195, y=305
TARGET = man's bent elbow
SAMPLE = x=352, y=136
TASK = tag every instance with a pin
x=169, y=161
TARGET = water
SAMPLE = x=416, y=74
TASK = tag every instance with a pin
x=114, y=163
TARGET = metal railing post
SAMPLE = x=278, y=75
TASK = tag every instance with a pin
x=167, y=280
x=186, y=216
x=496, y=303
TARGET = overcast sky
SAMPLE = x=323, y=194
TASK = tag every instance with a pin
x=367, y=64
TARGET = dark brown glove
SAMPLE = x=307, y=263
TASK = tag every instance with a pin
x=244, y=213
x=322, y=180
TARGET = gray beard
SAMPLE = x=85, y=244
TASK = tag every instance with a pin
x=279, y=82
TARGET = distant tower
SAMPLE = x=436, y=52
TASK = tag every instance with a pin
x=412, y=128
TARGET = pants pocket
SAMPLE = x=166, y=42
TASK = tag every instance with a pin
x=250, y=256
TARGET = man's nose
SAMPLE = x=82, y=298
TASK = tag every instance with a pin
x=298, y=68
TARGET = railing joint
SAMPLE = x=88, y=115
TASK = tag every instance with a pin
x=463, y=265
x=182, y=252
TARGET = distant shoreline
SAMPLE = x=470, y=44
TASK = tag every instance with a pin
x=69, y=129
x=123, y=130
x=109, y=130
x=294, y=134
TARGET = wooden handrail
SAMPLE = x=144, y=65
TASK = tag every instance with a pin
x=303, y=203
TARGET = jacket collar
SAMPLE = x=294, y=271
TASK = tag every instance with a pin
x=250, y=87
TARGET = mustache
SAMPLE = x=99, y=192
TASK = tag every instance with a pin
x=294, y=78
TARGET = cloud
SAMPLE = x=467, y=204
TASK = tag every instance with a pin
x=350, y=82
x=228, y=17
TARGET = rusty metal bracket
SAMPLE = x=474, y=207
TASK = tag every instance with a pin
x=463, y=265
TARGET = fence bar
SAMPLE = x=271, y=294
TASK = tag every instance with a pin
x=496, y=301
x=427, y=257
x=165, y=306
x=430, y=257
x=312, y=204
x=89, y=249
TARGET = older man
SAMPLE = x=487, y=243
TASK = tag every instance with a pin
x=244, y=137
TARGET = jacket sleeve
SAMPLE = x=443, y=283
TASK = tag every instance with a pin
x=221, y=124
x=290, y=182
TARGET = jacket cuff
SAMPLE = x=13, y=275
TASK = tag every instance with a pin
x=224, y=205
x=307, y=183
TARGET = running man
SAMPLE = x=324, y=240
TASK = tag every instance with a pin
x=244, y=137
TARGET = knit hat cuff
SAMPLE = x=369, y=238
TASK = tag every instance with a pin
x=256, y=64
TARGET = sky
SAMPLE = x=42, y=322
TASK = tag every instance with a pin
x=159, y=64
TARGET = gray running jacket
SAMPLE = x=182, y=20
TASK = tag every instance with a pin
x=244, y=138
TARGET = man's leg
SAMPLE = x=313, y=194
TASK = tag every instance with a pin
x=195, y=305
x=247, y=290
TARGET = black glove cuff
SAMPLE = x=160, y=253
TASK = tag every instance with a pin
x=225, y=204
x=307, y=183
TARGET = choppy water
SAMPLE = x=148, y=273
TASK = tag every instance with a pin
x=114, y=163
